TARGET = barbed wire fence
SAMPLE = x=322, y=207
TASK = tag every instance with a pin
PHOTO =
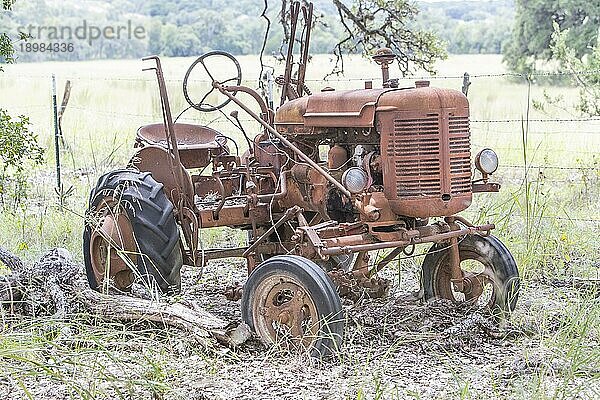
x=87, y=110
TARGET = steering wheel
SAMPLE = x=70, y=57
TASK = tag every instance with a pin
x=222, y=73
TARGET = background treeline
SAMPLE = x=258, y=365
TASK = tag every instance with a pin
x=180, y=28
x=470, y=27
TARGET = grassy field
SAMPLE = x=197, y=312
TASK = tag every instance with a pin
x=547, y=214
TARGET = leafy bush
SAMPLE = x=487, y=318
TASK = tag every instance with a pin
x=18, y=150
x=18, y=145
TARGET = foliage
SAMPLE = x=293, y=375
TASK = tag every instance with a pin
x=6, y=49
x=469, y=27
x=589, y=79
x=18, y=146
x=533, y=29
x=372, y=24
x=7, y=4
x=190, y=28
x=17, y=143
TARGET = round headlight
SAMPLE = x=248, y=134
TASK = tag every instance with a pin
x=355, y=179
x=487, y=161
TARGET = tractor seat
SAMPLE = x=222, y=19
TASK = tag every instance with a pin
x=197, y=144
x=189, y=137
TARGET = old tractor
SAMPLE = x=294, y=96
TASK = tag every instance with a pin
x=333, y=187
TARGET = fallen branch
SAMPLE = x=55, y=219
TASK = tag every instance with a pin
x=13, y=262
x=54, y=286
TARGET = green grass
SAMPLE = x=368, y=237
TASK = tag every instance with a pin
x=549, y=221
x=110, y=100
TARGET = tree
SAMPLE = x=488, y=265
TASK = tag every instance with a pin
x=18, y=144
x=533, y=29
x=372, y=24
x=7, y=4
x=587, y=77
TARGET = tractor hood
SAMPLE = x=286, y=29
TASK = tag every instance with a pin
x=356, y=108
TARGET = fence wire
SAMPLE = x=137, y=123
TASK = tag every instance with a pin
x=40, y=109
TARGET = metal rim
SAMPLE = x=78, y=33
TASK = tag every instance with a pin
x=285, y=312
x=479, y=281
x=112, y=246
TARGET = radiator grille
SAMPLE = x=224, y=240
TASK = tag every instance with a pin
x=415, y=148
x=460, y=155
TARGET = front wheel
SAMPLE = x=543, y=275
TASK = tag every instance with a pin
x=491, y=278
x=291, y=301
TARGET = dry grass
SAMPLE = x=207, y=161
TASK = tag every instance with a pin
x=552, y=352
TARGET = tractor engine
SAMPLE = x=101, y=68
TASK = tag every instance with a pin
x=405, y=152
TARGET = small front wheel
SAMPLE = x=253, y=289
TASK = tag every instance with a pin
x=491, y=278
x=291, y=301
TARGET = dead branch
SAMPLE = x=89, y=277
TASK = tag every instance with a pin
x=126, y=309
x=54, y=286
x=372, y=24
x=13, y=262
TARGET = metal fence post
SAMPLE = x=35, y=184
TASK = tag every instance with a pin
x=56, y=134
x=466, y=83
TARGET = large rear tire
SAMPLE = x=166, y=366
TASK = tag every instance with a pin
x=491, y=277
x=290, y=300
x=130, y=232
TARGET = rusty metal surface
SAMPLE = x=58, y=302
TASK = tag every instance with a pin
x=288, y=313
x=284, y=141
x=415, y=154
x=364, y=245
x=481, y=187
x=161, y=164
x=344, y=108
x=234, y=216
x=112, y=246
x=293, y=88
x=384, y=57
x=408, y=148
x=207, y=185
x=290, y=213
x=426, y=153
x=234, y=292
x=196, y=144
x=169, y=129
x=337, y=158
x=354, y=288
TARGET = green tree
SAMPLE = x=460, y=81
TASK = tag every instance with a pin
x=18, y=145
x=180, y=41
x=533, y=29
x=155, y=44
x=589, y=81
x=372, y=24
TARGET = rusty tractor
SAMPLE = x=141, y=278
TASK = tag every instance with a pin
x=331, y=181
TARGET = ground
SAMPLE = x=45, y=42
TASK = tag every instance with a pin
x=396, y=347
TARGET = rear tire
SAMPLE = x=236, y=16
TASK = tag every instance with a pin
x=135, y=202
x=291, y=299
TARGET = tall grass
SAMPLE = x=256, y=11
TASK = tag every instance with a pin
x=546, y=214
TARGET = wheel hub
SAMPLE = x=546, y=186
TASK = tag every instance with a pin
x=288, y=313
x=476, y=286
x=112, y=245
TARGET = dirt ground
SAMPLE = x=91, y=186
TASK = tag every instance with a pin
x=396, y=347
